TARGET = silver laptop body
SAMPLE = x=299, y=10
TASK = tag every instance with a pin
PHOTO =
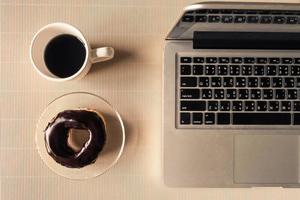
x=231, y=96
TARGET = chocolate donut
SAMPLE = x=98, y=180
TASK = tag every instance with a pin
x=57, y=133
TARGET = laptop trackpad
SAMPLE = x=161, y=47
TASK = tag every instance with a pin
x=266, y=159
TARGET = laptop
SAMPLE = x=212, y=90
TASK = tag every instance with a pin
x=231, y=96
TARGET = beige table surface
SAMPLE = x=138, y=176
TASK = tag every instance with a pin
x=131, y=82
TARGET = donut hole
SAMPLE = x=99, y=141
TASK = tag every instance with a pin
x=77, y=138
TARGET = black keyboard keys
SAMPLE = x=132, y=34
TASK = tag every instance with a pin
x=224, y=105
x=188, y=81
x=223, y=118
x=198, y=69
x=185, y=118
x=197, y=118
x=277, y=82
x=189, y=93
x=213, y=106
x=216, y=82
x=240, y=82
x=296, y=106
x=285, y=106
x=273, y=105
x=192, y=105
x=222, y=69
x=246, y=70
x=261, y=118
x=252, y=82
x=279, y=94
x=265, y=82
x=185, y=59
x=228, y=81
x=209, y=118
x=271, y=70
x=203, y=81
x=255, y=93
x=289, y=82
x=291, y=94
x=295, y=70
x=262, y=105
x=185, y=69
x=243, y=94
x=259, y=70
x=283, y=70
x=237, y=106
x=234, y=70
x=210, y=69
x=231, y=93
x=206, y=93
x=219, y=93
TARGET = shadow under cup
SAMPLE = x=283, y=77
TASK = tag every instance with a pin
x=40, y=43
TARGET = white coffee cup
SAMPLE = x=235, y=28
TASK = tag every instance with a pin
x=47, y=33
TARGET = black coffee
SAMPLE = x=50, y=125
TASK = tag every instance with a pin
x=64, y=55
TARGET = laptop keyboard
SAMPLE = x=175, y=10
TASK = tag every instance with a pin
x=238, y=91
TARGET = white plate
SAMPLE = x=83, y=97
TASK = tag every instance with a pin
x=115, y=133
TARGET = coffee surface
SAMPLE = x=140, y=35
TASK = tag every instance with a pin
x=64, y=55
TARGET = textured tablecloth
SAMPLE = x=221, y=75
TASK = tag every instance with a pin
x=132, y=82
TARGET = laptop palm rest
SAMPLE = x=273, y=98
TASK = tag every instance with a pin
x=263, y=159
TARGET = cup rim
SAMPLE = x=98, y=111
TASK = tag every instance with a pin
x=83, y=39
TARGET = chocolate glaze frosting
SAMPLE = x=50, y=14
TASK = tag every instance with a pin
x=56, y=136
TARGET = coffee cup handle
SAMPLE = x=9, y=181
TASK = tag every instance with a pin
x=102, y=54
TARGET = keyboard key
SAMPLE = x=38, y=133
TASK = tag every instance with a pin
x=231, y=94
x=286, y=60
x=188, y=18
x=234, y=70
x=265, y=82
x=189, y=93
x=261, y=60
x=252, y=19
x=185, y=69
x=285, y=105
x=237, y=106
x=295, y=70
x=279, y=20
x=210, y=69
x=188, y=81
x=291, y=94
x=249, y=60
x=297, y=82
x=277, y=82
x=262, y=105
x=252, y=82
x=224, y=105
x=219, y=94
x=223, y=60
x=222, y=69
x=192, y=105
x=240, y=82
x=249, y=105
x=213, y=11
x=267, y=94
x=296, y=118
x=266, y=20
x=198, y=69
x=292, y=20
x=273, y=105
x=297, y=60
x=296, y=106
x=289, y=82
x=213, y=106
x=198, y=60
x=261, y=118
x=283, y=70
x=213, y=18
x=201, y=18
x=185, y=118
x=279, y=94
x=239, y=19
x=226, y=11
x=227, y=19
x=246, y=70
x=211, y=59
x=201, y=11
x=206, y=94
x=271, y=70
x=255, y=94
x=197, y=118
x=228, y=81
x=243, y=94
x=203, y=81
x=223, y=118
x=209, y=118
x=216, y=82
x=274, y=60
x=236, y=60
x=259, y=70
x=185, y=59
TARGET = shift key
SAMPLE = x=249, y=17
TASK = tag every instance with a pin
x=192, y=105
